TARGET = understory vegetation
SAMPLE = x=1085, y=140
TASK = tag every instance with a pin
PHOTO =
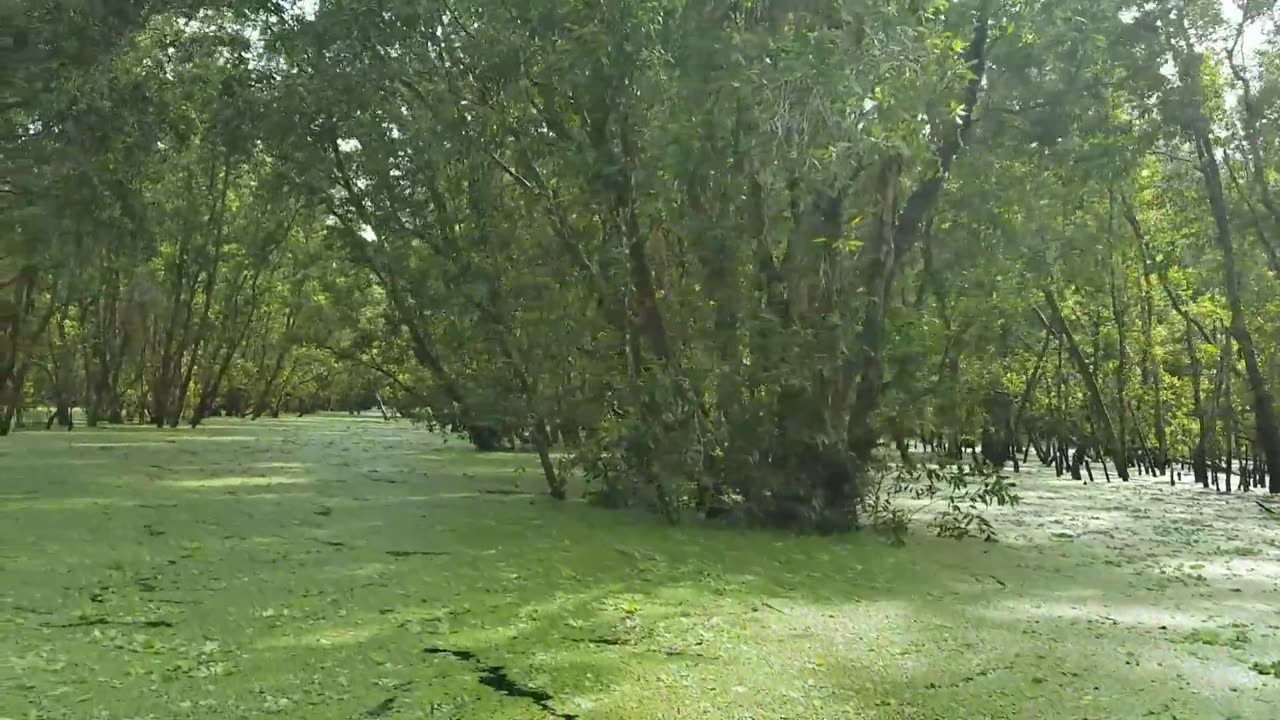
x=704, y=254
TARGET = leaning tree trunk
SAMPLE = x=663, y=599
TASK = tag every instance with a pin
x=1033, y=380
x=1093, y=393
x=262, y=403
x=1263, y=401
x=1264, y=411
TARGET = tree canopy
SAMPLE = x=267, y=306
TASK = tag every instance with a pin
x=708, y=253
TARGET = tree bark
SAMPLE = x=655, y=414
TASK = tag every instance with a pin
x=1197, y=125
x=905, y=231
x=1153, y=369
x=1199, y=452
x=1093, y=393
x=1033, y=380
x=1121, y=377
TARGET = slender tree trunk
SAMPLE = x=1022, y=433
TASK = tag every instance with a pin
x=1199, y=452
x=1142, y=443
x=1154, y=372
x=262, y=404
x=11, y=397
x=1093, y=394
x=1060, y=414
x=1230, y=421
x=23, y=329
x=1118, y=312
x=1263, y=402
x=1033, y=380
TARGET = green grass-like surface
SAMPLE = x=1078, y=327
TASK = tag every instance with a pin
x=302, y=568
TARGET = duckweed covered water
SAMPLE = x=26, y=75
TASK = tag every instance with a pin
x=333, y=568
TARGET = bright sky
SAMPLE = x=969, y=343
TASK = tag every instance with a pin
x=1230, y=9
x=1256, y=32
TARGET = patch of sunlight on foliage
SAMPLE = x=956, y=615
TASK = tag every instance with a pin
x=1152, y=616
x=23, y=503
x=325, y=637
x=236, y=482
x=442, y=496
x=111, y=445
x=124, y=594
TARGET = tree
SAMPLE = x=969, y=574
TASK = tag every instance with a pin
x=715, y=254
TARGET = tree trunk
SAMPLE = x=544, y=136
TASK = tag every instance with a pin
x=1093, y=393
x=1118, y=315
x=903, y=232
x=263, y=403
x=11, y=398
x=1033, y=379
x=1220, y=412
x=861, y=434
x=1153, y=370
x=1263, y=402
x=1199, y=453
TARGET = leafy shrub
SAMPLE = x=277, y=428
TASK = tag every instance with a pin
x=964, y=491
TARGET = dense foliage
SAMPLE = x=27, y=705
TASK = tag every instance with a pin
x=716, y=251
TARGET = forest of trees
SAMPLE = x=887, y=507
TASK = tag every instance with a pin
x=697, y=251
